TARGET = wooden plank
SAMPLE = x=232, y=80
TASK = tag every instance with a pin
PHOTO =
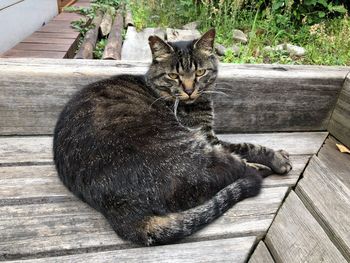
x=292, y=142
x=44, y=40
x=38, y=149
x=25, y=150
x=74, y=226
x=261, y=254
x=59, y=80
x=135, y=46
x=42, y=47
x=69, y=35
x=339, y=125
x=40, y=183
x=33, y=54
x=338, y=163
x=328, y=199
x=173, y=35
x=226, y=250
x=295, y=236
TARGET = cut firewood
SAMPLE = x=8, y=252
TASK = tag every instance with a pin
x=128, y=17
x=107, y=21
x=87, y=47
x=113, y=48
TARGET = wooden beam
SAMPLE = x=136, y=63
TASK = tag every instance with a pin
x=328, y=199
x=295, y=236
x=260, y=98
x=87, y=47
x=339, y=125
x=113, y=48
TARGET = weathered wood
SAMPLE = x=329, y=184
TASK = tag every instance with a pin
x=295, y=236
x=339, y=125
x=328, y=199
x=107, y=20
x=338, y=163
x=87, y=47
x=254, y=104
x=40, y=183
x=226, y=250
x=33, y=54
x=113, y=48
x=135, y=46
x=38, y=149
x=73, y=225
x=43, y=47
x=173, y=35
x=129, y=21
x=292, y=142
x=25, y=150
x=261, y=254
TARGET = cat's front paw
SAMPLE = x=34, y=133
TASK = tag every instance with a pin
x=280, y=163
x=263, y=170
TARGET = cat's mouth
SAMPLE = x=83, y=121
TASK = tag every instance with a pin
x=189, y=98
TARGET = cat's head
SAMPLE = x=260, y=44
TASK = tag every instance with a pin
x=184, y=69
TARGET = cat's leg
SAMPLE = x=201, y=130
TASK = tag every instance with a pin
x=278, y=161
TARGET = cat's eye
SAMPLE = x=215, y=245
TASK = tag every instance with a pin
x=200, y=72
x=173, y=75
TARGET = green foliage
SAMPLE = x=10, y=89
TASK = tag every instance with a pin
x=100, y=46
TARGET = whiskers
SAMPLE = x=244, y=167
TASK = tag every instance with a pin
x=176, y=104
x=160, y=98
x=214, y=92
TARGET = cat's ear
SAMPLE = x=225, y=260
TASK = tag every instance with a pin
x=206, y=42
x=160, y=49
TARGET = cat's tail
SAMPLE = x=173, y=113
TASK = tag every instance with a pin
x=156, y=230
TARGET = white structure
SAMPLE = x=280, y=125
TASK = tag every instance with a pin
x=20, y=18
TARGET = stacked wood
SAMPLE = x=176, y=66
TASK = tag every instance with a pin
x=87, y=47
x=113, y=48
x=128, y=17
x=107, y=21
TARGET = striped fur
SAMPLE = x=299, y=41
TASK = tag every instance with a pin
x=141, y=150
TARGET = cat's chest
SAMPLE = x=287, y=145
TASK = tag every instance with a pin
x=194, y=118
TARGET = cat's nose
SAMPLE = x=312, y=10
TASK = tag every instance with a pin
x=188, y=91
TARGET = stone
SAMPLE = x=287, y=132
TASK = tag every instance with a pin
x=239, y=36
x=191, y=26
x=236, y=50
x=291, y=49
x=295, y=50
x=220, y=49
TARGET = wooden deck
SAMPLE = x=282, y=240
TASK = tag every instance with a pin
x=56, y=39
x=40, y=218
x=301, y=217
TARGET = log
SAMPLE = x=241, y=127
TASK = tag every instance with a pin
x=113, y=48
x=87, y=47
x=129, y=21
x=107, y=20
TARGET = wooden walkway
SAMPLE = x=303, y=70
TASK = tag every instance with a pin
x=301, y=217
x=56, y=39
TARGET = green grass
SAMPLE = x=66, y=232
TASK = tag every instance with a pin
x=327, y=42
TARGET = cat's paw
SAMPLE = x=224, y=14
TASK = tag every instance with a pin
x=281, y=163
x=262, y=169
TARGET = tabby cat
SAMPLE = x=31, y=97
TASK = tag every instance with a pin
x=142, y=151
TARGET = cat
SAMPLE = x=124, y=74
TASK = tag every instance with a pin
x=142, y=150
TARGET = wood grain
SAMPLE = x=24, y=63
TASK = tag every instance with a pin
x=226, y=250
x=339, y=125
x=34, y=92
x=261, y=254
x=73, y=225
x=135, y=46
x=113, y=48
x=255, y=100
x=338, y=163
x=328, y=199
x=295, y=236
x=38, y=149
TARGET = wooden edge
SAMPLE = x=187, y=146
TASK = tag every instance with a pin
x=339, y=123
x=261, y=254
